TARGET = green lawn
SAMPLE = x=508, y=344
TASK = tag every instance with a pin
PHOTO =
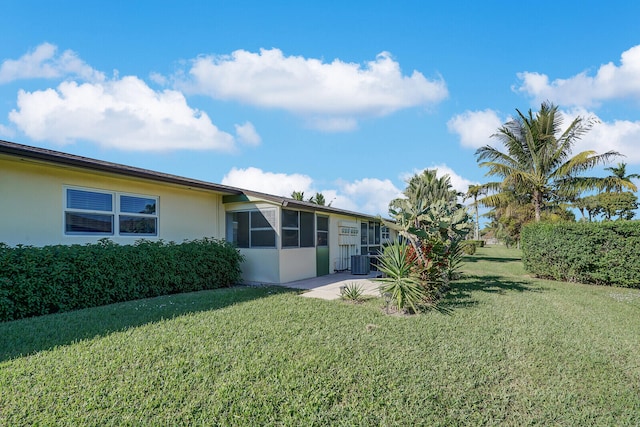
x=502, y=349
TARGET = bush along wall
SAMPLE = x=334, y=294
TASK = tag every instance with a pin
x=603, y=253
x=43, y=280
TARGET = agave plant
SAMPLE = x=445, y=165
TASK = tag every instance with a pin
x=352, y=292
x=400, y=279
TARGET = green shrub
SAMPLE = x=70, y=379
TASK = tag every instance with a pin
x=469, y=247
x=605, y=253
x=478, y=243
x=42, y=280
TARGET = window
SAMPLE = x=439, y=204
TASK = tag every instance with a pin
x=252, y=229
x=94, y=212
x=137, y=216
x=370, y=237
x=385, y=233
x=88, y=212
x=322, y=231
x=263, y=234
x=297, y=229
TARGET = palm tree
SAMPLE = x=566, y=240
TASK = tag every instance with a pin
x=474, y=191
x=429, y=208
x=620, y=179
x=319, y=199
x=423, y=190
x=538, y=162
x=298, y=195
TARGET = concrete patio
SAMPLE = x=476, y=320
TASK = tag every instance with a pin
x=328, y=287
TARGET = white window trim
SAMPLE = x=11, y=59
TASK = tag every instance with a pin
x=115, y=213
x=272, y=226
x=298, y=228
x=289, y=228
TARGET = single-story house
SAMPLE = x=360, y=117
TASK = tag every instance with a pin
x=49, y=197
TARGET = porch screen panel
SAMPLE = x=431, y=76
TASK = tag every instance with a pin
x=263, y=234
x=307, y=229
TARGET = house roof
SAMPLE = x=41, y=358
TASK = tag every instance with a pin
x=57, y=157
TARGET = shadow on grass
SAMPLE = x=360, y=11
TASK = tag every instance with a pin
x=27, y=336
x=461, y=293
x=477, y=258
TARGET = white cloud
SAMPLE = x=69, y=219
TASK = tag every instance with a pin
x=247, y=134
x=123, y=113
x=475, y=127
x=158, y=79
x=369, y=195
x=312, y=88
x=279, y=184
x=610, y=82
x=622, y=136
x=43, y=62
x=332, y=124
x=458, y=182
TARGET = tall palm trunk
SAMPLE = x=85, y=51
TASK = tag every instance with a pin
x=537, y=204
x=476, y=231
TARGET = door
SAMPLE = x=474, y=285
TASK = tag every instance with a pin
x=322, y=245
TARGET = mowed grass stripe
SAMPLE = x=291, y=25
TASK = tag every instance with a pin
x=503, y=348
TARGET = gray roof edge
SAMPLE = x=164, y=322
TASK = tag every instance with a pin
x=58, y=157
x=289, y=202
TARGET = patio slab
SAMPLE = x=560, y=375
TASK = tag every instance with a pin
x=328, y=287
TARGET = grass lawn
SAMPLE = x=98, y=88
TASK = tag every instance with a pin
x=503, y=349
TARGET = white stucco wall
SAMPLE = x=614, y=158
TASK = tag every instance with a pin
x=297, y=264
x=32, y=212
x=260, y=266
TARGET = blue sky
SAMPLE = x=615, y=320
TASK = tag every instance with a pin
x=345, y=98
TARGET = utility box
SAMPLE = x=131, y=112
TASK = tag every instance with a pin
x=360, y=264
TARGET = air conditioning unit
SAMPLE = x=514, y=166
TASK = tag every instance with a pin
x=360, y=264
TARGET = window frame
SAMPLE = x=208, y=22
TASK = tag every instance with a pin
x=322, y=234
x=370, y=236
x=385, y=233
x=305, y=238
x=115, y=213
x=268, y=226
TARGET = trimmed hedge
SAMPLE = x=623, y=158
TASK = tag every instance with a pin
x=42, y=280
x=602, y=253
x=477, y=243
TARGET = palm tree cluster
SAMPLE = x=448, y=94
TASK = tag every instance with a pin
x=432, y=223
x=540, y=177
x=318, y=199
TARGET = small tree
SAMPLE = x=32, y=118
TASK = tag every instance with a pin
x=433, y=223
x=538, y=162
x=609, y=205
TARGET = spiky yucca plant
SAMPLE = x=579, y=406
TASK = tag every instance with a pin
x=400, y=280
